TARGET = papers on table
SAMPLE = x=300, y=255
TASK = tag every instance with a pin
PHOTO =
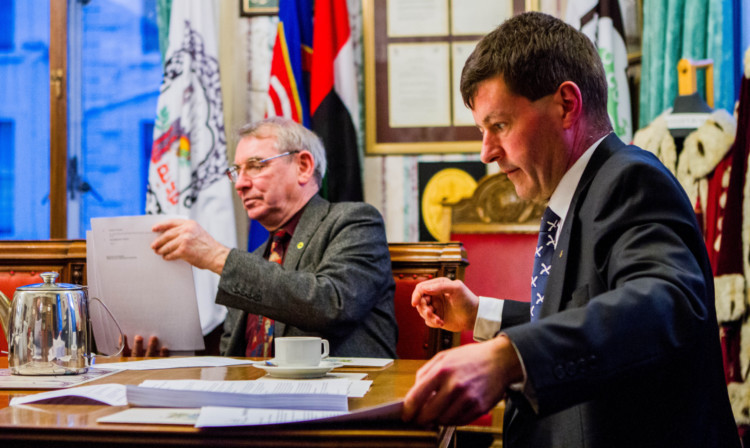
x=154, y=416
x=173, y=363
x=147, y=295
x=8, y=381
x=223, y=403
x=301, y=395
x=215, y=416
x=218, y=416
x=109, y=394
x=360, y=362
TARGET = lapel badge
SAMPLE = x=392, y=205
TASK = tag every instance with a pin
x=561, y=252
x=300, y=245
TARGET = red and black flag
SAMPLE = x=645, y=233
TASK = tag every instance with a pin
x=334, y=100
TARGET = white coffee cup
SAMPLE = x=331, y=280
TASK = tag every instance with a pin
x=300, y=351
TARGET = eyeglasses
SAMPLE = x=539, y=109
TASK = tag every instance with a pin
x=252, y=168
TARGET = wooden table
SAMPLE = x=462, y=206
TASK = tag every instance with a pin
x=74, y=425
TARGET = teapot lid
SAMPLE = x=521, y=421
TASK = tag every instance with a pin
x=50, y=285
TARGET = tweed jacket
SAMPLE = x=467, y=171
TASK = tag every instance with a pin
x=335, y=282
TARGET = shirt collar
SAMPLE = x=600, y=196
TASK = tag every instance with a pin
x=560, y=200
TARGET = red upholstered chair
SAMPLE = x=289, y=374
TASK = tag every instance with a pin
x=411, y=264
x=21, y=262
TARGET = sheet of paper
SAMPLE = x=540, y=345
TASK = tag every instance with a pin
x=154, y=416
x=109, y=394
x=460, y=51
x=147, y=295
x=319, y=396
x=8, y=381
x=254, y=387
x=480, y=18
x=358, y=387
x=417, y=18
x=419, y=85
x=213, y=416
x=361, y=362
x=173, y=363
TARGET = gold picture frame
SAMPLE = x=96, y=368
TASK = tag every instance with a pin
x=251, y=8
x=393, y=125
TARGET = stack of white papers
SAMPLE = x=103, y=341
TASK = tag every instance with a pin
x=300, y=395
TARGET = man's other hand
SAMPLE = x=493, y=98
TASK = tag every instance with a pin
x=138, y=351
x=446, y=304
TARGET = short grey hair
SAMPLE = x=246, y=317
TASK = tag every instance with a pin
x=290, y=136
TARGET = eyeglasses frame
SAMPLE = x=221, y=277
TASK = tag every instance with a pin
x=233, y=172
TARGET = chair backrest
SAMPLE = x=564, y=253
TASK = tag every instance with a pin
x=21, y=262
x=411, y=264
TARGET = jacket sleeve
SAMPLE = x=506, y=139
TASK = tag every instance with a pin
x=343, y=272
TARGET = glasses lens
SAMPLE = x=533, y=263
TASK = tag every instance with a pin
x=231, y=172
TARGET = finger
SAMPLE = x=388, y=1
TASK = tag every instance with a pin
x=164, y=352
x=166, y=225
x=427, y=311
x=138, y=346
x=126, y=349
x=153, y=344
x=427, y=288
x=460, y=412
x=415, y=400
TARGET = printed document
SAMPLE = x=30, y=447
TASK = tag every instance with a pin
x=147, y=295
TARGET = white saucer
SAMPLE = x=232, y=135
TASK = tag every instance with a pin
x=298, y=372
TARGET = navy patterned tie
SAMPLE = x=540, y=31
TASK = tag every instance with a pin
x=545, y=247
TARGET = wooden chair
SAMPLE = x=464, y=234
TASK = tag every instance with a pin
x=413, y=263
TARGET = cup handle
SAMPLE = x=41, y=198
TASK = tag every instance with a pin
x=122, y=336
x=325, y=348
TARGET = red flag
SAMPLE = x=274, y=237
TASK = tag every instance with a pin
x=334, y=99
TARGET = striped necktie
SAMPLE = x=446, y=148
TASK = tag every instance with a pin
x=259, y=329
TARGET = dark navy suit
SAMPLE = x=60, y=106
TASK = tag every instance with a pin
x=626, y=353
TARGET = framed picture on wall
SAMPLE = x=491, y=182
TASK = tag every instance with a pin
x=414, y=54
x=250, y=8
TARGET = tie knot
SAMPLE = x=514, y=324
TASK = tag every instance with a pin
x=280, y=236
x=550, y=220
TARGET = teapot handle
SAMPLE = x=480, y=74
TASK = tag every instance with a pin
x=122, y=338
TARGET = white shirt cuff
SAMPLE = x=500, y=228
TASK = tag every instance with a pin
x=489, y=318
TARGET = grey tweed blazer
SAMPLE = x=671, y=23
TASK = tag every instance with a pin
x=335, y=282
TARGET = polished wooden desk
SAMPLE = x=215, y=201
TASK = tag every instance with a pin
x=73, y=425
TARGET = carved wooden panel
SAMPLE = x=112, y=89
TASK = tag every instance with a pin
x=494, y=208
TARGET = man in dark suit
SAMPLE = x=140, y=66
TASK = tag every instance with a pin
x=621, y=347
x=326, y=270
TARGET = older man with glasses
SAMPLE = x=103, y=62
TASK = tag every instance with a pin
x=325, y=270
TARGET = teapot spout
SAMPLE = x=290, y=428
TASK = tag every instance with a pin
x=4, y=313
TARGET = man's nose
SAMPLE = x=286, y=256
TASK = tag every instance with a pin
x=243, y=182
x=491, y=148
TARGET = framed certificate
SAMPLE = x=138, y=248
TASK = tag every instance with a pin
x=414, y=53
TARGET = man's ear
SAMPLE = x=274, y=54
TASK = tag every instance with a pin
x=305, y=167
x=572, y=103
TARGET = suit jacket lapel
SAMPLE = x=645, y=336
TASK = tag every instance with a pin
x=554, y=288
x=315, y=210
